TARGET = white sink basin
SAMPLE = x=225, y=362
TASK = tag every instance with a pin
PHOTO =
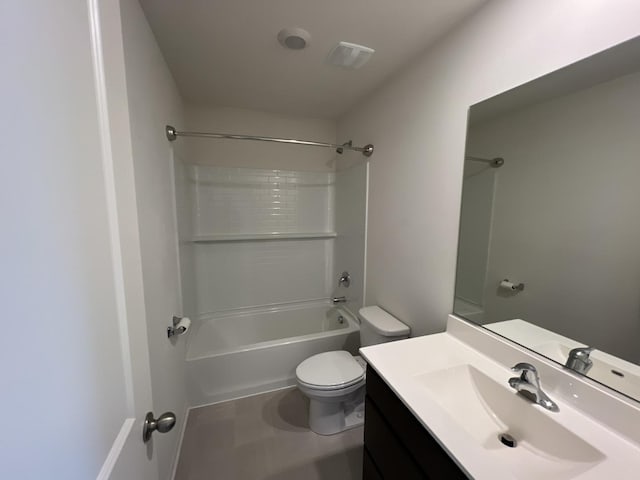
x=485, y=409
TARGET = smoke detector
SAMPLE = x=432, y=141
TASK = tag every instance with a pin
x=350, y=55
x=294, y=38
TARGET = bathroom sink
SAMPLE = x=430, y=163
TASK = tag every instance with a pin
x=487, y=410
x=612, y=371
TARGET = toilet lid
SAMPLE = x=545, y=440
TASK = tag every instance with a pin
x=330, y=369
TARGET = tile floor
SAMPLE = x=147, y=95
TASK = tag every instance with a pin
x=265, y=437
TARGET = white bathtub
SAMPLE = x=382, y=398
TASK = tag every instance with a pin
x=257, y=350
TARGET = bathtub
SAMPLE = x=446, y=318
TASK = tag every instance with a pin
x=255, y=350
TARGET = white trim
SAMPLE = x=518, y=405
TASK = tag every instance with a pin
x=176, y=457
x=174, y=205
x=366, y=235
x=116, y=449
x=247, y=237
x=289, y=384
x=111, y=199
x=270, y=307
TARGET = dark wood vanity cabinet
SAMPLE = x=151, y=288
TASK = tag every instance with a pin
x=396, y=445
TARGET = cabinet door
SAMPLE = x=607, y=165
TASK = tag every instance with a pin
x=387, y=452
x=369, y=470
x=423, y=450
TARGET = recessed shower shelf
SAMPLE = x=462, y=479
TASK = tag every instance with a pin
x=244, y=237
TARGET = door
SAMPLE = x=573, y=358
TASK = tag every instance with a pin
x=75, y=383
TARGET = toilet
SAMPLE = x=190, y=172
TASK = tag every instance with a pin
x=334, y=381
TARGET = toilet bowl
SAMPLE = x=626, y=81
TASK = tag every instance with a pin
x=334, y=381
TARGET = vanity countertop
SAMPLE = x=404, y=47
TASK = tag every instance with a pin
x=423, y=372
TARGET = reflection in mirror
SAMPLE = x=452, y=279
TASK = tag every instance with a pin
x=549, y=249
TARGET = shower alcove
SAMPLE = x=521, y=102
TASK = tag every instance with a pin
x=265, y=230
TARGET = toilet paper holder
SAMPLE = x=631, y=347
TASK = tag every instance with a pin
x=175, y=329
x=508, y=285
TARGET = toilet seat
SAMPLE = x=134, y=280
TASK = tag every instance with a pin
x=331, y=388
x=330, y=371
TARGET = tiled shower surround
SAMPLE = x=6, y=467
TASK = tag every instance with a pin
x=247, y=200
x=258, y=243
x=232, y=273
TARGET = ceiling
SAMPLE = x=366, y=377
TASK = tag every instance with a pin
x=226, y=52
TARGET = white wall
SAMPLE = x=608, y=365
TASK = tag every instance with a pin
x=153, y=102
x=417, y=123
x=566, y=214
x=351, y=223
x=250, y=154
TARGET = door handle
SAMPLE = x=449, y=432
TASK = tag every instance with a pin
x=163, y=424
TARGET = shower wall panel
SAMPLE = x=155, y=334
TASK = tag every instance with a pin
x=231, y=270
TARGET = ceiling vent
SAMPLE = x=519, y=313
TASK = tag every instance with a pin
x=350, y=55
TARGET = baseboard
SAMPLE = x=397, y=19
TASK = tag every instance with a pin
x=247, y=392
x=176, y=457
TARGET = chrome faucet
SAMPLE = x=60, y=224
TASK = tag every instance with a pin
x=337, y=300
x=528, y=385
x=579, y=360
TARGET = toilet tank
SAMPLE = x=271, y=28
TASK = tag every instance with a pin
x=378, y=326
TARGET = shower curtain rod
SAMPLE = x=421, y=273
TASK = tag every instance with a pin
x=494, y=162
x=172, y=134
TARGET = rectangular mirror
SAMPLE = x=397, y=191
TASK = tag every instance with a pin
x=549, y=249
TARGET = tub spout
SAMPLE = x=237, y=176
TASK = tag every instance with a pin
x=337, y=300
